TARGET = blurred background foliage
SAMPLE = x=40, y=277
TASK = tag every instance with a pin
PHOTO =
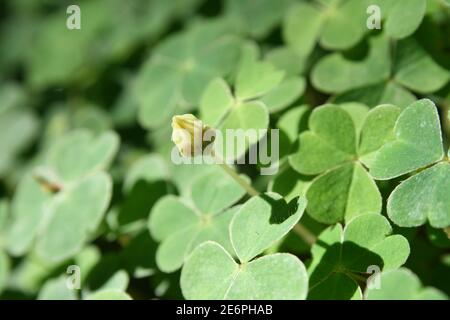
x=113, y=75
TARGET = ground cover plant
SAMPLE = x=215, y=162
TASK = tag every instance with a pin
x=353, y=204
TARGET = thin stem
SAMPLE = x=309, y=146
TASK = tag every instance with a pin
x=244, y=184
x=447, y=231
x=305, y=234
x=299, y=229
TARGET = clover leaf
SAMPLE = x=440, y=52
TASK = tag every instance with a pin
x=256, y=18
x=275, y=276
x=259, y=223
x=411, y=14
x=332, y=148
x=19, y=126
x=65, y=201
x=411, y=68
x=4, y=270
x=260, y=88
x=94, y=46
x=109, y=295
x=56, y=289
x=181, y=225
x=342, y=255
x=401, y=284
x=422, y=197
x=181, y=67
x=417, y=143
x=334, y=24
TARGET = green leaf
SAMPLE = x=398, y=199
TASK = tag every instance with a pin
x=277, y=276
x=337, y=286
x=378, y=94
x=416, y=70
x=301, y=28
x=4, y=270
x=180, y=69
x=56, y=289
x=73, y=216
x=284, y=94
x=417, y=143
x=261, y=222
x=256, y=18
x=410, y=14
x=331, y=141
x=180, y=228
x=378, y=128
x=19, y=126
x=336, y=74
x=337, y=25
x=423, y=197
x=151, y=167
x=249, y=115
x=215, y=102
x=256, y=78
x=345, y=24
x=343, y=193
x=366, y=241
x=215, y=192
x=80, y=153
x=109, y=295
x=402, y=284
x=286, y=59
x=27, y=211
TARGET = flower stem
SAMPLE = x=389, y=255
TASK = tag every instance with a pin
x=305, y=234
x=447, y=231
x=244, y=184
x=299, y=229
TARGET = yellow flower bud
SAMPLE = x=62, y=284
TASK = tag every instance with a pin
x=188, y=134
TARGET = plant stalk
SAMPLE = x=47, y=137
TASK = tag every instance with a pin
x=303, y=232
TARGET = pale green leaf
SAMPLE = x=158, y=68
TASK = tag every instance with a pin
x=343, y=193
x=402, y=284
x=417, y=143
x=262, y=221
x=422, y=197
x=277, y=276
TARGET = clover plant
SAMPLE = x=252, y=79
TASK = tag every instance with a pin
x=102, y=196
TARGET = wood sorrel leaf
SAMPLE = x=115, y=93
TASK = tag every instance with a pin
x=378, y=94
x=423, y=197
x=284, y=94
x=109, y=295
x=73, y=216
x=410, y=13
x=377, y=129
x=215, y=102
x=365, y=242
x=181, y=227
x=56, y=289
x=343, y=193
x=401, y=284
x=415, y=69
x=97, y=153
x=331, y=141
x=4, y=270
x=417, y=143
x=180, y=69
x=27, y=211
x=374, y=68
x=256, y=78
x=261, y=222
x=276, y=276
x=337, y=25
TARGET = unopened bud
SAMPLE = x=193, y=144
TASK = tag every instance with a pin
x=188, y=134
